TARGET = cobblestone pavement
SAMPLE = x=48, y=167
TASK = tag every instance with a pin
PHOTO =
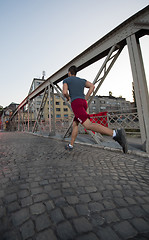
x=47, y=193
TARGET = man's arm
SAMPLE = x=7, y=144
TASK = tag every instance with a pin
x=91, y=89
x=65, y=91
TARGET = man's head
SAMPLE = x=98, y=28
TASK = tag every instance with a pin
x=72, y=71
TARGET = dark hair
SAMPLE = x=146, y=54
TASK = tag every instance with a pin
x=73, y=70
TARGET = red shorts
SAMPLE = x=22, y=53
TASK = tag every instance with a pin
x=79, y=107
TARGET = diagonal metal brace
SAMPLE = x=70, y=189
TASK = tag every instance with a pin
x=44, y=99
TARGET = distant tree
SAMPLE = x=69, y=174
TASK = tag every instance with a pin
x=110, y=94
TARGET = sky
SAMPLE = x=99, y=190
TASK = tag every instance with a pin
x=44, y=35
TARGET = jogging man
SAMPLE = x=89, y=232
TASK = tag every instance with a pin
x=73, y=89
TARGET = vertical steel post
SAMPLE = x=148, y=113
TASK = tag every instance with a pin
x=28, y=113
x=49, y=93
x=140, y=86
x=19, y=120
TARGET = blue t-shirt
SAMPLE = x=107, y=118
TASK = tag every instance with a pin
x=76, y=87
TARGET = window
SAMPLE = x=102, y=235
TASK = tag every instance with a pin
x=57, y=103
x=65, y=115
x=93, y=102
x=102, y=101
x=58, y=115
x=64, y=103
x=65, y=109
x=38, y=83
x=57, y=97
x=58, y=109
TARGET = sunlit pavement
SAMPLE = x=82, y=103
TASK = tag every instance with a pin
x=87, y=194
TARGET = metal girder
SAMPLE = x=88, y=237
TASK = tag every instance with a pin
x=140, y=86
x=105, y=69
x=98, y=50
x=43, y=102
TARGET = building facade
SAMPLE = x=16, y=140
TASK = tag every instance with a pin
x=108, y=104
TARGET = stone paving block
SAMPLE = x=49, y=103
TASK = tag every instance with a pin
x=37, y=208
x=26, y=201
x=139, y=199
x=136, y=211
x=95, y=207
x=130, y=200
x=47, y=234
x=55, y=194
x=125, y=230
x=4, y=223
x=108, y=204
x=88, y=236
x=43, y=182
x=65, y=185
x=82, y=225
x=96, y=196
x=146, y=207
x=68, y=191
x=27, y=229
x=11, y=235
x=96, y=219
x=34, y=184
x=11, y=198
x=20, y=216
x=40, y=197
x=107, y=234
x=90, y=189
x=42, y=222
x=107, y=194
x=36, y=190
x=2, y=193
x=82, y=210
x=72, y=199
x=57, y=216
x=146, y=199
x=124, y=213
x=2, y=211
x=117, y=194
x=13, y=206
x=110, y=216
x=56, y=186
x=140, y=225
x=69, y=212
x=23, y=193
x=121, y=202
x=49, y=205
x=47, y=188
x=140, y=193
x=84, y=198
x=60, y=202
x=65, y=231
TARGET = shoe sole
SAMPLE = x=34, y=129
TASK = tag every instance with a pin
x=124, y=140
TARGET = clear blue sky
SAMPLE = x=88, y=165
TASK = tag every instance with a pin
x=39, y=35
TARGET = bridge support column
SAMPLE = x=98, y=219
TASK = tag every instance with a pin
x=141, y=89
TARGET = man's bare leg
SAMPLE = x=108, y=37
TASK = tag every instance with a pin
x=95, y=127
x=74, y=132
x=120, y=136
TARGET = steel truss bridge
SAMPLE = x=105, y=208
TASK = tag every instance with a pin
x=109, y=47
